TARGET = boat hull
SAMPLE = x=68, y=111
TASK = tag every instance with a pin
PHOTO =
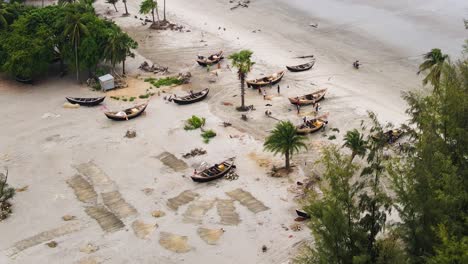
x=75, y=100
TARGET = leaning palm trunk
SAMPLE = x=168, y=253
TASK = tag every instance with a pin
x=152, y=14
x=157, y=14
x=76, y=62
x=126, y=10
x=115, y=8
x=164, y=10
x=123, y=67
x=242, y=79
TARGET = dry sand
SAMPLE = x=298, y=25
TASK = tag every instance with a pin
x=45, y=145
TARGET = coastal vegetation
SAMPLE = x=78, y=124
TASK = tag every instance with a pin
x=194, y=122
x=6, y=193
x=242, y=61
x=285, y=141
x=35, y=38
x=425, y=183
x=166, y=81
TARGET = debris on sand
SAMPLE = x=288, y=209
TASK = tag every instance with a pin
x=185, y=77
x=175, y=243
x=264, y=249
x=131, y=133
x=49, y=115
x=154, y=68
x=158, y=213
x=227, y=103
x=68, y=217
x=143, y=230
x=165, y=25
x=70, y=105
x=231, y=175
x=148, y=191
x=242, y=3
x=194, y=152
x=247, y=200
x=52, y=244
x=296, y=227
x=227, y=124
x=184, y=197
x=22, y=189
x=89, y=248
x=210, y=236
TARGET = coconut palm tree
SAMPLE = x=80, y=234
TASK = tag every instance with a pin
x=356, y=143
x=126, y=10
x=284, y=140
x=148, y=6
x=242, y=61
x=119, y=46
x=164, y=10
x=74, y=30
x=433, y=62
x=113, y=2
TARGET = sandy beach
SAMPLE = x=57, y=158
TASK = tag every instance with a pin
x=46, y=146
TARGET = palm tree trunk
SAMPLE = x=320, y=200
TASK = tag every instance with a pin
x=242, y=79
x=126, y=10
x=353, y=154
x=123, y=67
x=152, y=14
x=76, y=62
x=157, y=13
x=164, y=10
x=286, y=155
x=115, y=8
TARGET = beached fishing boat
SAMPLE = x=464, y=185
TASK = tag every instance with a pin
x=127, y=114
x=86, y=101
x=302, y=214
x=214, y=172
x=308, y=99
x=302, y=67
x=311, y=126
x=268, y=80
x=192, y=97
x=212, y=59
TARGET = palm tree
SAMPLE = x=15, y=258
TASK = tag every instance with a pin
x=241, y=60
x=148, y=6
x=113, y=2
x=284, y=140
x=434, y=62
x=118, y=47
x=6, y=16
x=356, y=143
x=165, y=10
x=74, y=30
x=126, y=10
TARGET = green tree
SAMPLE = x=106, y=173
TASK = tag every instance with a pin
x=242, y=61
x=148, y=6
x=284, y=140
x=118, y=48
x=74, y=30
x=433, y=62
x=113, y=2
x=6, y=193
x=354, y=140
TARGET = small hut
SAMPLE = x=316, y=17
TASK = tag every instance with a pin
x=107, y=82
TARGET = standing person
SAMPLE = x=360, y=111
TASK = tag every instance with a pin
x=278, y=89
x=317, y=107
x=264, y=94
x=298, y=107
x=259, y=90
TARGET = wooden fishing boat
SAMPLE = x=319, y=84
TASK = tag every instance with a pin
x=25, y=80
x=212, y=59
x=311, y=126
x=302, y=67
x=268, y=80
x=127, y=114
x=214, y=172
x=192, y=97
x=86, y=101
x=302, y=214
x=391, y=136
x=309, y=98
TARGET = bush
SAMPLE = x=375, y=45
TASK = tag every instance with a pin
x=6, y=193
x=168, y=81
x=207, y=135
x=194, y=122
x=132, y=99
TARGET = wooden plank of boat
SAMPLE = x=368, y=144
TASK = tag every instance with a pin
x=308, y=99
x=315, y=125
x=268, y=80
x=92, y=101
x=127, y=114
x=302, y=67
x=191, y=98
x=214, y=172
x=212, y=59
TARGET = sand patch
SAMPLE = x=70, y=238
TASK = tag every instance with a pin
x=143, y=230
x=174, y=243
x=210, y=236
x=98, y=177
x=227, y=212
x=261, y=161
x=197, y=210
x=43, y=237
x=184, y=197
x=90, y=260
x=247, y=200
x=84, y=191
x=172, y=162
x=115, y=202
x=106, y=220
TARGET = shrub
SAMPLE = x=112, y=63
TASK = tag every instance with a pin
x=6, y=193
x=194, y=122
x=168, y=81
x=207, y=135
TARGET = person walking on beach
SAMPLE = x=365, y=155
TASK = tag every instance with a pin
x=278, y=89
x=298, y=107
x=317, y=107
x=264, y=94
x=259, y=90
